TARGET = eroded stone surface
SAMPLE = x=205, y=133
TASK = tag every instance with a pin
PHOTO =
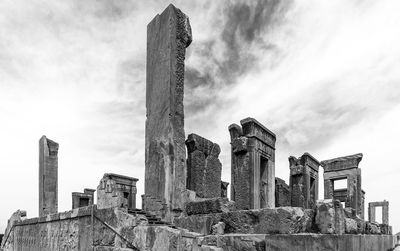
x=282, y=193
x=116, y=190
x=209, y=206
x=168, y=35
x=48, y=176
x=303, y=180
x=253, y=165
x=329, y=217
x=203, y=167
x=345, y=168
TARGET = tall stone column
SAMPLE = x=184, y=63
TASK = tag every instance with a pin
x=48, y=176
x=168, y=35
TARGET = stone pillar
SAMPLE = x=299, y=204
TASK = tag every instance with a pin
x=304, y=181
x=168, y=35
x=253, y=165
x=48, y=176
x=371, y=212
x=385, y=213
x=203, y=167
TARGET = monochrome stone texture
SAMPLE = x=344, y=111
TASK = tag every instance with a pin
x=204, y=167
x=48, y=176
x=186, y=205
x=168, y=35
x=253, y=165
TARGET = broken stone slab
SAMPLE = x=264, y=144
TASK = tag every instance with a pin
x=385, y=229
x=201, y=224
x=236, y=242
x=350, y=226
x=209, y=206
x=372, y=228
x=283, y=220
x=256, y=221
x=218, y=228
x=210, y=248
x=163, y=238
x=16, y=218
x=203, y=167
x=329, y=217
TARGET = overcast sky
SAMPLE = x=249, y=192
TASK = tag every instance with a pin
x=323, y=75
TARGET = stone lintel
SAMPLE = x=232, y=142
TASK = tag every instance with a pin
x=89, y=191
x=121, y=179
x=254, y=129
x=308, y=160
x=343, y=174
x=196, y=142
x=342, y=163
x=378, y=203
x=81, y=195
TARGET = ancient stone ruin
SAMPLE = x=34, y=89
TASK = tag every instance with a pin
x=203, y=167
x=186, y=204
x=385, y=211
x=345, y=168
x=303, y=181
x=253, y=165
x=48, y=176
x=83, y=199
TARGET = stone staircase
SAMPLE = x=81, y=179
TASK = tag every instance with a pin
x=152, y=219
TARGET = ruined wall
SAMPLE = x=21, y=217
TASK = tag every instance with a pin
x=108, y=229
x=203, y=167
x=252, y=165
x=168, y=34
x=282, y=193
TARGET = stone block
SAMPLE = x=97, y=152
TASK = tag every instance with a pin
x=350, y=226
x=268, y=221
x=201, y=224
x=210, y=248
x=209, y=206
x=385, y=229
x=329, y=217
x=218, y=228
x=372, y=228
x=342, y=163
x=203, y=167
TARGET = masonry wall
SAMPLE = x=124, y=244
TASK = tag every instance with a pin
x=109, y=229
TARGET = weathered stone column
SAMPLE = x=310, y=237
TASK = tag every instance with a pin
x=304, y=181
x=168, y=35
x=48, y=176
x=371, y=212
x=253, y=165
x=203, y=167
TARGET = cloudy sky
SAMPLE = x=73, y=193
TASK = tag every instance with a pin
x=323, y=75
